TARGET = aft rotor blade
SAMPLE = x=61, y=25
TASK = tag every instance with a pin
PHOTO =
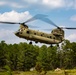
x=38, y=16
x=48, y=21
x=68, y=28
x=9, y=22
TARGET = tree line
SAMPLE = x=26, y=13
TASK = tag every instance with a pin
x=24, y=56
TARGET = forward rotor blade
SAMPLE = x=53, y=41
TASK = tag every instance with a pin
x=67, y=28
x=32, y=26
x=38, y=16
x=9, y=22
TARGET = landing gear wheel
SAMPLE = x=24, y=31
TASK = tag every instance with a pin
x=58, y=48
x=30, y=42
x=57, y=45
x=36, y=41
x=51, y=45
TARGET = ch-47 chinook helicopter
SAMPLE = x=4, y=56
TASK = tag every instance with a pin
x=55, y=37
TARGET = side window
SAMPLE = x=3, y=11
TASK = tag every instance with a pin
x=41, y=34
x=28, y=32
x=34, y=33
x=53, y=37
x=50, y=37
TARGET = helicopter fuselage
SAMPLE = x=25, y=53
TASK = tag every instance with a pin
x=37, y=36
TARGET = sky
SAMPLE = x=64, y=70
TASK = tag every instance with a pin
x=61, y=12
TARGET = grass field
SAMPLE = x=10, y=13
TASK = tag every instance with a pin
x=62, y=72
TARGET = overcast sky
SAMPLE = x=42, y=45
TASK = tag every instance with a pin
x=61, y=12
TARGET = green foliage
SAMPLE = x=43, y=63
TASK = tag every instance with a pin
x=8, y=70
x=38, y=67
x=23, y=56
x=2, y=53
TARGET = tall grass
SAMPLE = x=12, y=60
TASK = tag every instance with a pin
x=62, y=72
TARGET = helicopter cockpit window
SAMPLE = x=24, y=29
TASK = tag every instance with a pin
x=19, y=30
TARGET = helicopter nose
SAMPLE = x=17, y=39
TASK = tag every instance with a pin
x=16, y=33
